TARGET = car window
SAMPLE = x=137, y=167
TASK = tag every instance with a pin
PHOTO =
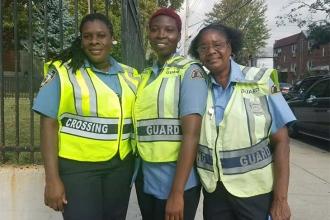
x=306, y=84
x=320, y=89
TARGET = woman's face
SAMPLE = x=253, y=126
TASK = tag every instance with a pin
x=164, y=36
x=214, y=51
x=96, y=41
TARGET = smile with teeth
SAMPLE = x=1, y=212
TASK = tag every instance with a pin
x=95, y=51
x=160, y=44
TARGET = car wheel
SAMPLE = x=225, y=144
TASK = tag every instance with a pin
x=293, y=129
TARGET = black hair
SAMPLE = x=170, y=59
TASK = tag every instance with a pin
x=75, y=52
x=233, y=36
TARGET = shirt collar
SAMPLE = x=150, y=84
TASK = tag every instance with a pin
x=115, y=67
x=156, y=69
x=236, y=74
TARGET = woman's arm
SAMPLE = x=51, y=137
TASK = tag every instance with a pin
x=191, y=125
x=54, y=195
x=280, y=208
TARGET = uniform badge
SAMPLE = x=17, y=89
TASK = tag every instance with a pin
x=50, y=75
x=197, y=74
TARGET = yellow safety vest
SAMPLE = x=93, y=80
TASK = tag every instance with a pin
x=238, y=151
x=94, y=123
x=156, y=112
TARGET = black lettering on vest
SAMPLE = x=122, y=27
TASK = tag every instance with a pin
x=250, y=91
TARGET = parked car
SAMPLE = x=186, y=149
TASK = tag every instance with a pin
x=312, y=110
x=285, y=87
x=301, y=86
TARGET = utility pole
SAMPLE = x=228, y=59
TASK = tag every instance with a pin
x=186, y=35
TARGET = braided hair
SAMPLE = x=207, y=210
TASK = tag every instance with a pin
x=75, y=53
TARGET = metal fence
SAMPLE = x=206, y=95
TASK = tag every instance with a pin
x=19, y=125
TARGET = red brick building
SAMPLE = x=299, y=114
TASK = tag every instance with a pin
x=295, y=59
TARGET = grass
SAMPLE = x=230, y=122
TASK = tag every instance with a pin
x=22, y=139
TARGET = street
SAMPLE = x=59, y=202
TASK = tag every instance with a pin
x=309, y=190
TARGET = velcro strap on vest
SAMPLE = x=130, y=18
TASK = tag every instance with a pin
x=127, y=129
x=247, y=159
x=90, y=127
x=159, y=130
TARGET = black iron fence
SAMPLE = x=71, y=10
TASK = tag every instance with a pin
x=26, y=41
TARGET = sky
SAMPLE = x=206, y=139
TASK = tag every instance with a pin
x=198, y=8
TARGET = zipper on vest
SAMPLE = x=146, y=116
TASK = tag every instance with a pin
x=216, y=154
x=121, y=124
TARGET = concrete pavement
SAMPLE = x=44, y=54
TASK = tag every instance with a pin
x=21, y=189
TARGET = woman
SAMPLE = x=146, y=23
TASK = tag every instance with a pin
x=243, y=156
x=168, y=111
x=85, y=106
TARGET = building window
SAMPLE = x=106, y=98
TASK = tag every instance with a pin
x=323, y=51
x=309, y=64
x=293, y=49
x=284, y=58
x=293, y=67
x=277, y=52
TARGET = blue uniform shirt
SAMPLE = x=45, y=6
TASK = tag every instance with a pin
x=158, y=177
x=279, y=109
x=48, y=98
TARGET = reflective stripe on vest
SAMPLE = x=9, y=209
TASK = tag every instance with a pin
x=159, y=130
x=161, y=97
x=237, y=161
x=94, y=128
x=204, y=158
x=257, y=108
x=247, y=159
x=83, y=80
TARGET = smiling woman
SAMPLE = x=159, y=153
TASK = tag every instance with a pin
x=167, y=114
x=243, y=155
x=86, y=126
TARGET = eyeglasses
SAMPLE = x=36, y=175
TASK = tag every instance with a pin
x=219, y=46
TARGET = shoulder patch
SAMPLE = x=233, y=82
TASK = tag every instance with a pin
x=197, y=74
x=50, y=75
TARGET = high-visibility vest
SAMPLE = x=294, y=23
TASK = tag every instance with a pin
x=94, y=123
x=237, y=152
x=156, y=112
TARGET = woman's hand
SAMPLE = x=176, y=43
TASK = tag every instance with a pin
x=280, y=210
x=174, y=206
x=54, y=195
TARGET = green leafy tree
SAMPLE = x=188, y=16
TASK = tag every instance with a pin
x=171, y=3
x=248, y=17
x=9, y=22
x=53, y=28
x=313, y=15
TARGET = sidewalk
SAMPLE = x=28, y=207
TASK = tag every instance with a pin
x=21, y=194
